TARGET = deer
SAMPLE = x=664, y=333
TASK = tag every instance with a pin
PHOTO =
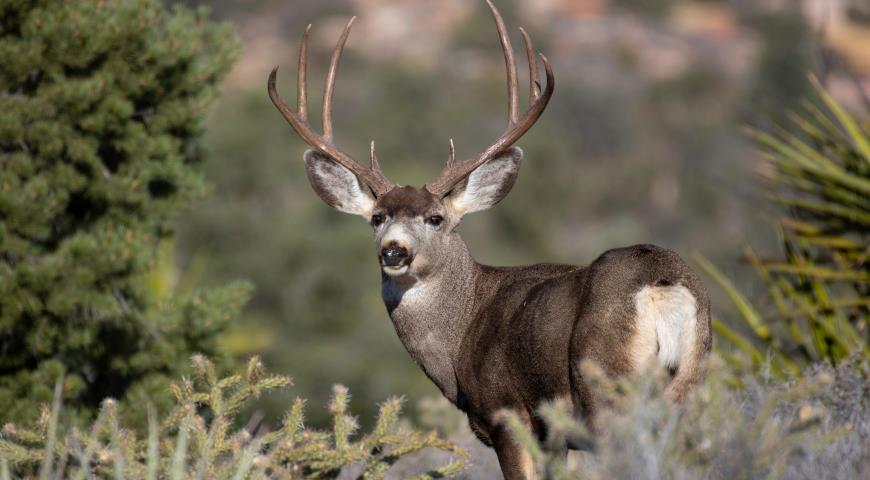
x=505, y=338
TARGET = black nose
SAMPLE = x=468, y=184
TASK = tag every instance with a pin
x=393, y=256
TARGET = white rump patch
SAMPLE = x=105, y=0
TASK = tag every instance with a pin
x=666, y=318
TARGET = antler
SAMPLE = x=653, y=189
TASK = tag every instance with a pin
x=454, y=172
x=372, y=176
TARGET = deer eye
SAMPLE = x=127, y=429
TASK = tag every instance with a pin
x=434, y=220
x=377, y=219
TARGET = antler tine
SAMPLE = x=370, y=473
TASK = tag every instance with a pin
x=330, y=81
x=376, y=166
x=452, y=159
x=534, y=86
x=510, y=65
x=371, y=177
x=454, y=172
x=459, y=170
x=302, y=80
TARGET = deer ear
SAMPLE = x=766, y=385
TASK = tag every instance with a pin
x=337, y=186
x=488, y=184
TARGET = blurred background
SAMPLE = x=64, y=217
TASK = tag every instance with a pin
x=642, y=142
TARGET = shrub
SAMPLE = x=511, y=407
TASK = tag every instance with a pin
x=811, y=428
x=101, y=111
x=195, y=440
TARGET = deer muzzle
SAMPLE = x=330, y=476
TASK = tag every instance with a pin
x=395, y=256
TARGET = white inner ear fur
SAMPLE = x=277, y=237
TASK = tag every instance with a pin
x=338, y=186
x=488, y=184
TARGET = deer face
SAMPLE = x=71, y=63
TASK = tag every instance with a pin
x=412, y=226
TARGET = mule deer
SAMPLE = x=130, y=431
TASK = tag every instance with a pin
x=494, y=338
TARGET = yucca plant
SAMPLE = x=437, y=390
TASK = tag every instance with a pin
x=198, y=438
x=818, y=169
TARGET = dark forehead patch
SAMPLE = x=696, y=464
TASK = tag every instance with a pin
x=407, y=201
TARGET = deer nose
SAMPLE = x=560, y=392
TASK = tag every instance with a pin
x=394, y=255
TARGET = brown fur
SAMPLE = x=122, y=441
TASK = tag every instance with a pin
x=512, y=338
x=407, y=201
x=495, y=338
x=531, y=326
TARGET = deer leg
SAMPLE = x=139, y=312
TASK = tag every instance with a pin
x=584, y=407
x=514, y=460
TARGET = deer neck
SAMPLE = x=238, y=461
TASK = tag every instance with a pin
x=431, y=314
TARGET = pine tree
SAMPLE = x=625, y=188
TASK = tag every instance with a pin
x=101, y=111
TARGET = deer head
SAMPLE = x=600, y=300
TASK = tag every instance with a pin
x=413, y=226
